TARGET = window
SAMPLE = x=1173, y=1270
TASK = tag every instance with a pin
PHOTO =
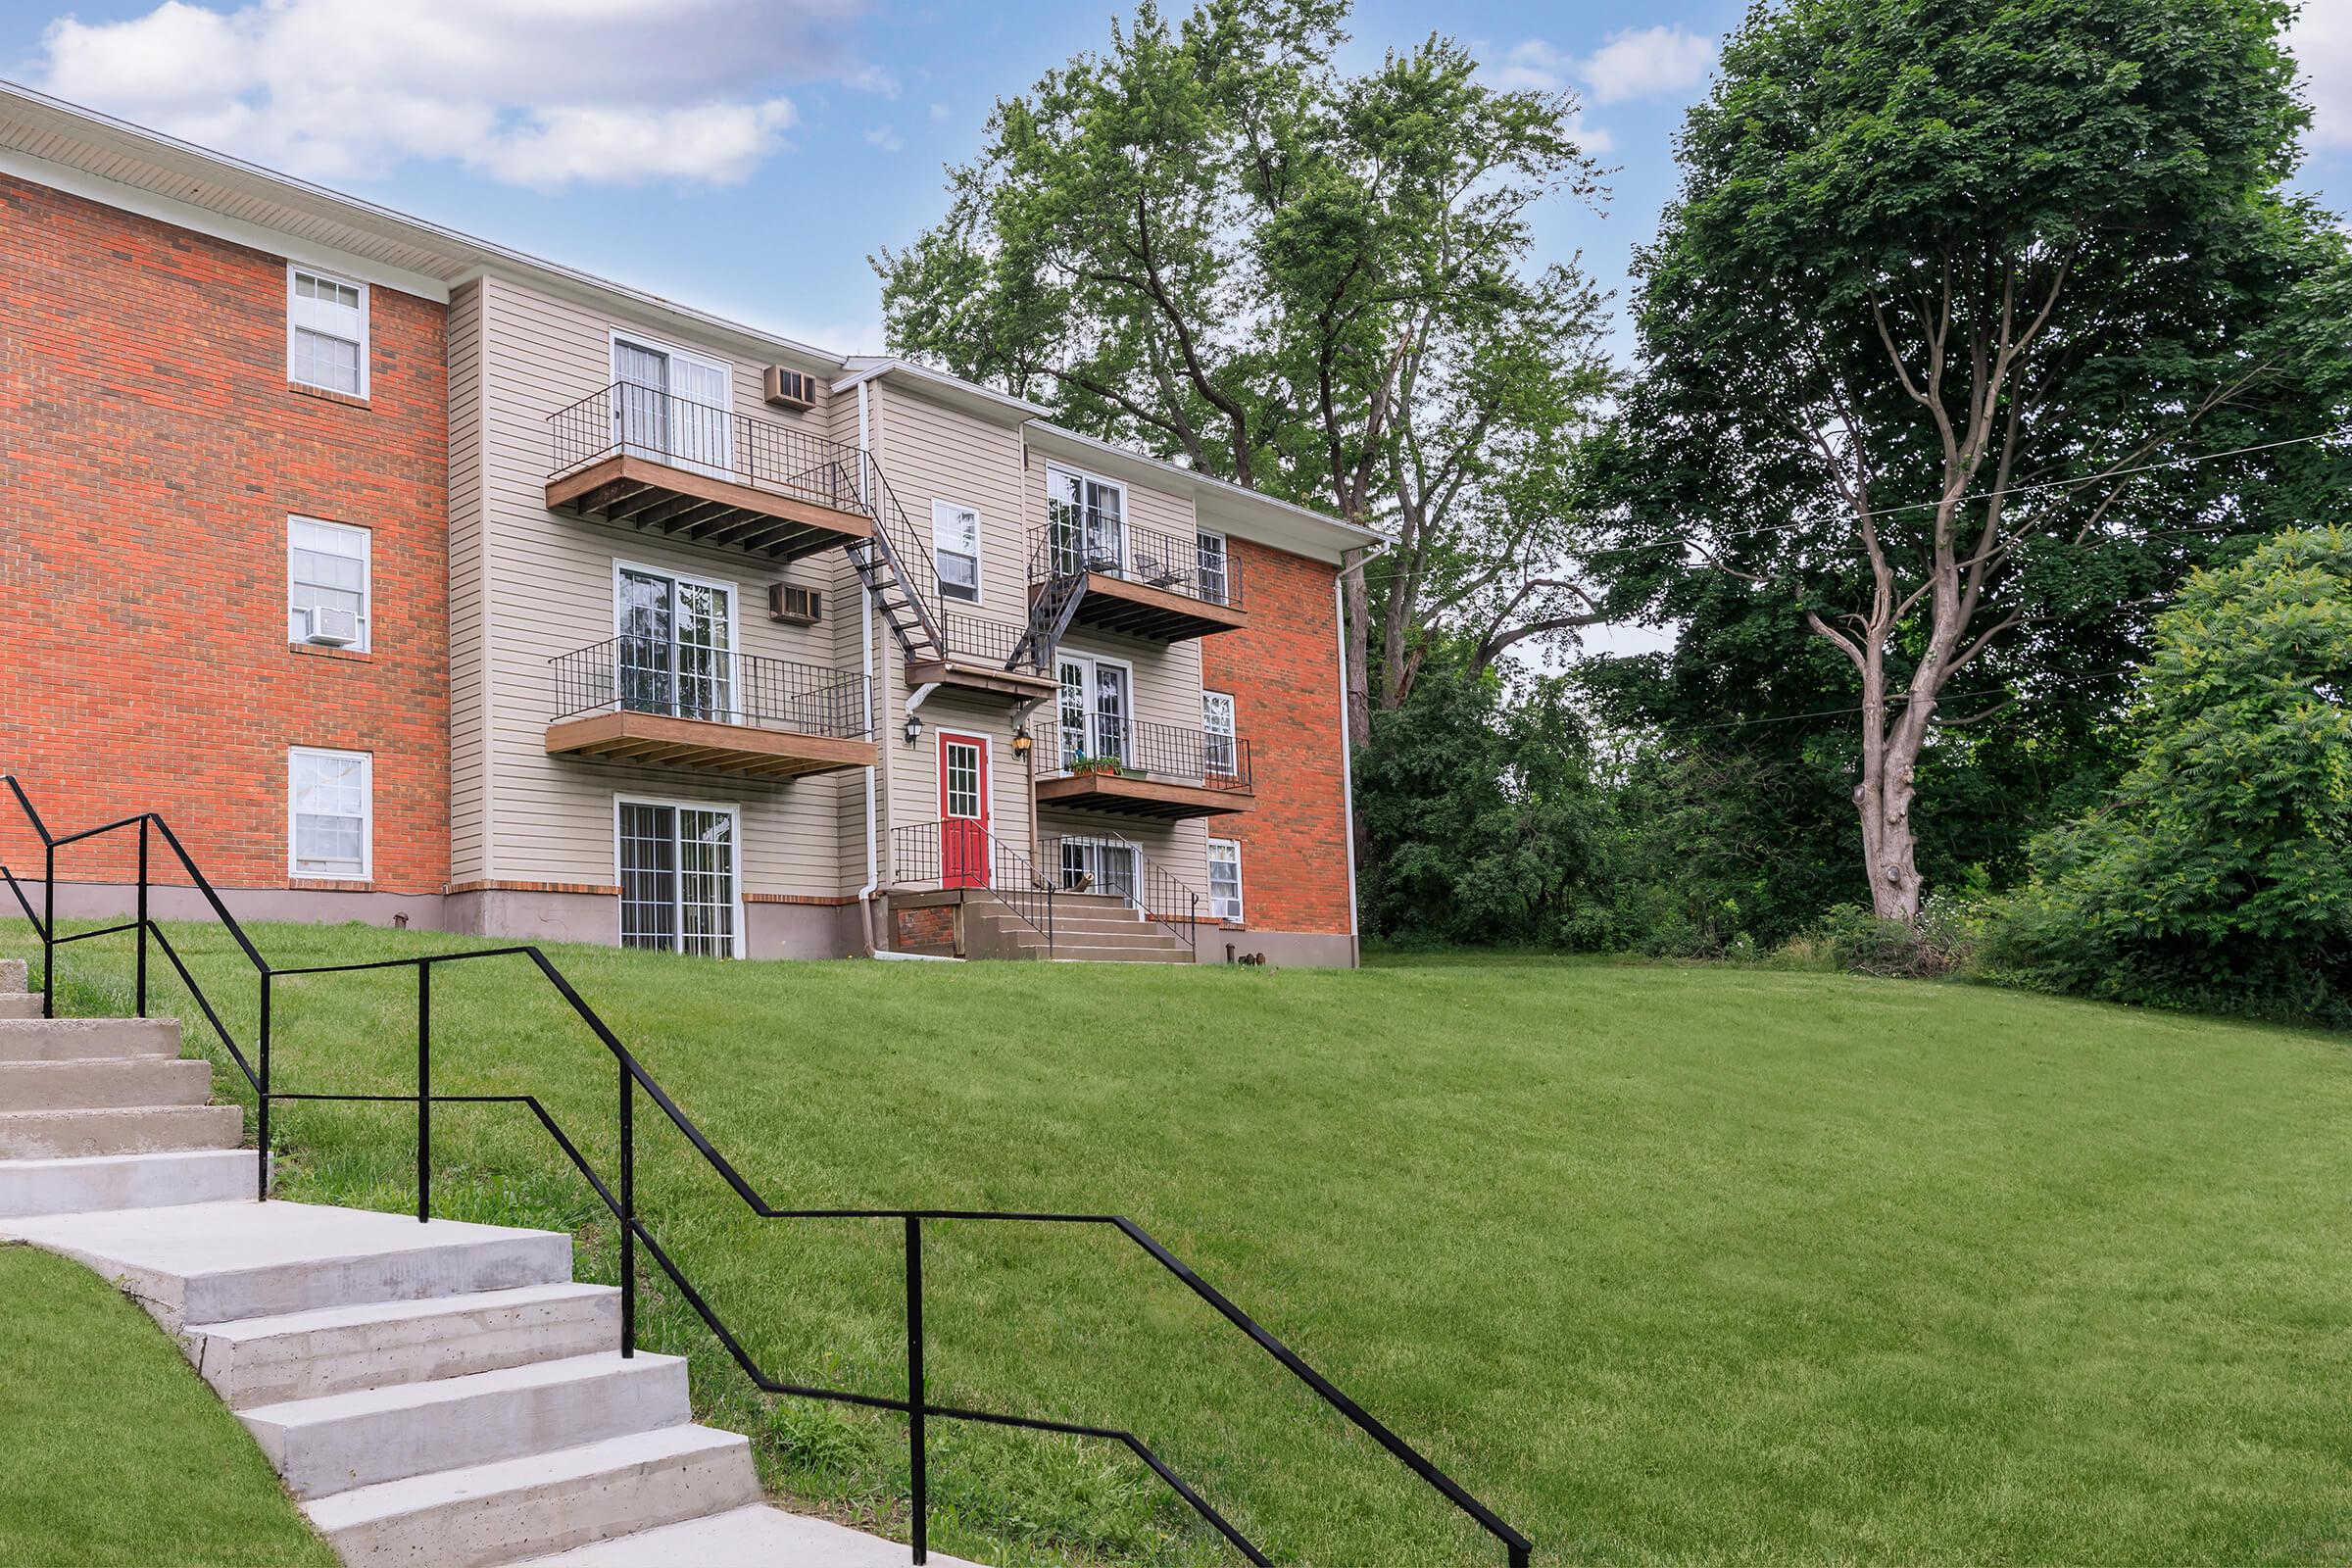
x=677, y=878
x=672, y=406
x=676, y=645
x=955, y=549
x=1213, y=578
x=329, y=811
x=1224, y=879
x=1085, y=522
x=1216, y=720
x=326, y=583
x=326, y=333
x=1093, y=708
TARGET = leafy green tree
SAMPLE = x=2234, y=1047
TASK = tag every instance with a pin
x=1944, y=279
x=1210, y=241
x=2220, y=875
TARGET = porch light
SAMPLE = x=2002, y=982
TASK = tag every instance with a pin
x=1021, y=741
x=914, y=728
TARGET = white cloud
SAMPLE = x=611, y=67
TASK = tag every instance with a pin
x=1643, y=63
x=1648, y=63
x=535, y=92
x=2323, y=45
x=886, y=138
x=940, y=113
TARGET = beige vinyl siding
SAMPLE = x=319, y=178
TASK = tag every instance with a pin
x=468, y=779
x=552, y=580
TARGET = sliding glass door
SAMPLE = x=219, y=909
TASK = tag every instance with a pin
x=678, y=878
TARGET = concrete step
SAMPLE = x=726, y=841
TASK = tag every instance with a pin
x=1079, y=952
x=110, y=1182
x=118, y=1130
x=323, y=1447
x=19, y=1004
x=743, y=1537
x=103, y=1081
x=14, y=981
x=80, y=1039
x=339, y=1349
x=209, y=1263
x=493, y=1514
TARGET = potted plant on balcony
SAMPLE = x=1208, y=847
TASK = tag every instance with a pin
x=1085, y=766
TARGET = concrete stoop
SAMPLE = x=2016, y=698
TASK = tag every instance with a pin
x=434, y=1393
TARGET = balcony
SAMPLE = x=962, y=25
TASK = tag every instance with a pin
x=1137, y=581
x=1127, y=767
x=982, y=656
x=635, y=454
x=654, y=703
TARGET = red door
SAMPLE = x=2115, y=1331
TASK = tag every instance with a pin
x=962, y=810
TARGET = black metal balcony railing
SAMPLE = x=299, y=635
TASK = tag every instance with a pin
x=1191, y=565
x=717, y=685
x=625, y=420
x=1134, y=746
x=1118, y=867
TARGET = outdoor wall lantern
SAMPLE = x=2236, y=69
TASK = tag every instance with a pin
x=1021, y=741
x=914, y=728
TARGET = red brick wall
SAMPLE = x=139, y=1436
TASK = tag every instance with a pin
x=153, y=450
x=1284, y=673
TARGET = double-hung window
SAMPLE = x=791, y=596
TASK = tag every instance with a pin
x=1214, y=581
x=1218, y=740
x=329, y=812
x=955, y=549
x=326, y=583
x=326, y=333
x=1224, y=879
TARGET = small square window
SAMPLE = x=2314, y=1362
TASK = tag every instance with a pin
x=326, y=333
x=330, y=814
x=326, y=584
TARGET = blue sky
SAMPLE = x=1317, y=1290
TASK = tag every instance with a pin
x=747, y=155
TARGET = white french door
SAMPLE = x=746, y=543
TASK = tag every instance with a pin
x=677, y=866
x=1110, y=863
x=676, y=645
x=673, y=406
x=1097, y=698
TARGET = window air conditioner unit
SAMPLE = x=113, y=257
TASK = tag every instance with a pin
x=334, y=628
x=795, y=605
x=790, y=389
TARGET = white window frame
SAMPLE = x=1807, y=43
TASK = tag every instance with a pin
x=1201, y=536
x=297, y=270
x=979, y=563
x=675, y=577
x=367, y=762
x=615, y=336
x=1126, y=513
x=677, y=803
x=1230, y=735
x=1240, y=898
x=1094, y=663
x=366, y=558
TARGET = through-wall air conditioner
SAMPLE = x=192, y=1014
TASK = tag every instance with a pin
x=334, y=628
x=791, y=389
x=794, y=605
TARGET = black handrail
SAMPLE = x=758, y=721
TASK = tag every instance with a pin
x=1208, y=758
x=1157, y=892
x=677, y=679
x=965, y=854
x=1191, y=567
x=634, y=1079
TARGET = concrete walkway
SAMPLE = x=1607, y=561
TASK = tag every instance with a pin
x=438, y=1393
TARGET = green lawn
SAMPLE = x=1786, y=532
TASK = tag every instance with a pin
x=115, y=1451
x=1670, y=1264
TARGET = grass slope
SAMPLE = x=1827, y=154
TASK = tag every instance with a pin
x=1670, y=1264
x=115, y=1451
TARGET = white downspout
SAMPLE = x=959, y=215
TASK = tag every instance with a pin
x=873, y=715
x=1338, y=619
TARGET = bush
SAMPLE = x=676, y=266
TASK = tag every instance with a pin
x=2218, y=877
x=1852, y=939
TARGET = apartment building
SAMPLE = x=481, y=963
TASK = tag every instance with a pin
x=418, y=579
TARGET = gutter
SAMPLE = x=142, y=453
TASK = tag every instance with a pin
x=873, y=856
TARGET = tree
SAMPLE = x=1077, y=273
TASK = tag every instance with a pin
x=1210, y=242
x=2220, y=875
x=1944, y=278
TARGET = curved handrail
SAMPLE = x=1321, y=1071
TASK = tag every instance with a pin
x=633, y=1230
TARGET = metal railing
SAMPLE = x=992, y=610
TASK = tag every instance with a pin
x=717, y=685
x=1193, y=566
x=962, y=854
x=619, y=1195
x=1156, y=892
x=625, y=420
x=1141, y=748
